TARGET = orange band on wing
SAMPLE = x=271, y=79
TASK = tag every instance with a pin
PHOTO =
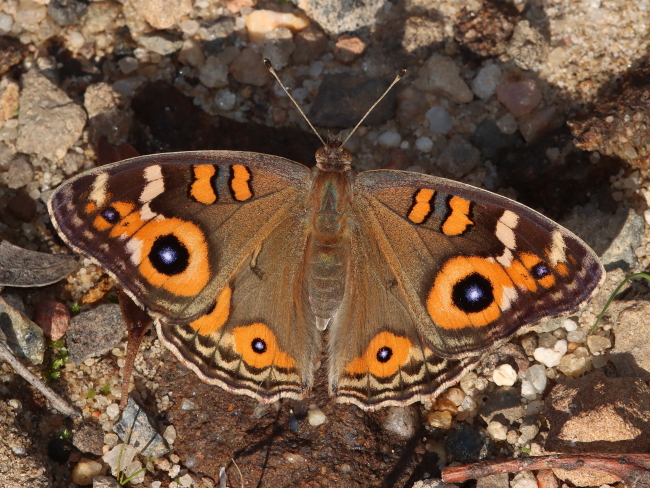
x=457, y=221
x=385, y=354
x=258, y=347
x=421, y=208
x=213, y=321
x=520, y=276
x=239, y=183
x=201, y=189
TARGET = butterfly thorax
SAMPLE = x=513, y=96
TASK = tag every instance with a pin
x=328, y=235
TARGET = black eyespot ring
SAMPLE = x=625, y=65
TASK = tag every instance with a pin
x=169, y=256
x=258, y=345
x=384, y=354
x=473, y=293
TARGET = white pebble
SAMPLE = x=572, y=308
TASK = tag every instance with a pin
x=76, y=40
x=569, y=325
x=316, y=68
x=504, y=375
x=225, y=99
x=113, y=411
x=6, y=22
x=497, y=431
x=534, y=382
x=189, y=27
x=439, y=120
x=170, y=434
x=551, y=357
x=316, y=417
x=486, y=81
x=424, y=144
x=389, y=139
x=576, y=336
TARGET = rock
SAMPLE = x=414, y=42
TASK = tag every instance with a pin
x=260, y=23
x=162, y=43
x=551, y=357
x=109, y=113
x=486, y=81
x=22, y=336
x=466, y=444
x=349, y=48
x=483, y=31
x=19, y=467
x=9, y=98
x=100, y=16
x=191, y=53
x=85, y=470
x=440, y=75
x=504, y=375
x=525, y=479
x=576, y=363
x=66, y=12
x=278, y=47
x=142, y=436
x=339, y=16
x=458, y=157
x=440, y=419
x=248, y=68
x=540, y=121
x=357, y=95
x=528, y=47
x=504, y=404
x=95, y=332
x=497, y=431
x=597, y=414
x=519, y=97
x=124, y=457
x=161, y=14
x=630, y=355
x=214, y=73
x=20, y=171
x=53, y=318
x=534, y=382
x=424, y=144
x=389, y=139
x=214, y=34
x=12, y=52
x=433, y=483
x=89, y=438
x=106, y=482
x=494, y=481
x=310, y=44
x=598, y=344
x=316, y=417
x=439, y=120
x=402, y=421
x=50, y=123
x=620, y=252
x=421, y=35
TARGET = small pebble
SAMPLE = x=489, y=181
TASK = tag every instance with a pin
x=534, y=382
x=439, y=120
x=486, y=81
x=424, y=144
x=316, y=417
x=574, y=364
x=389, y=139
x=402, y=421
x=508, y=124
x=85, y=470
x=519, y=97
x=170, y=434
x=576, y=336
x=441, y=420
x=525, y=479
x=225, y=99
x=504, y=375
x=551, y=357
x=569, y=325
x=113, y=411
x=128, y=64
x=468, y=383
x=259, y=23
x=497, y=431
x=597, y=344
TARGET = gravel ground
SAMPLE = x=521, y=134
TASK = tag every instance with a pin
x=545, y=102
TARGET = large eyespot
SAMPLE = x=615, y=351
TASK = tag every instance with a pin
x=172, y=254
x=469, y=292
x=383, y=357
x=258, y=347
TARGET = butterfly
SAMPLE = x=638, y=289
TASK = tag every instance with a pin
x=244, y=259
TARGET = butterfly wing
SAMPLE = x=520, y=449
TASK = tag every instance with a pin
x=190, y=237
x=464, y=268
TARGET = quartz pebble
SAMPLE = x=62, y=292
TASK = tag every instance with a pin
x=550, y=357
x=85, y=470
x=486, y=81
x=569, y=325
x=508, y=124
x=575, y=364
x=525, y=479
x=576, y=336
x=519, y=97
x=389, y=139
x=170, y=434
x=439, y=120
x=504, y=375
x=225, y=99
x=534, y=382
x=259, y=23
x=440, y=419
x=441, y=76
x=213, y=73
x=316, y=417
x=497, y=431
x=424, y=144
x=597, y=344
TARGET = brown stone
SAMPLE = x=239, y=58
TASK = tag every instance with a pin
x=349, y=48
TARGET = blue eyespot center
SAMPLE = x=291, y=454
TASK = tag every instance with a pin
x=258, y=345
x=384, y=354
x=473, y=293
x=540, y=270
x=169, y=255
x=110, y=215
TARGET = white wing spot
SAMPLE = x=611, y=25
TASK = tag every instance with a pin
x=505, y=259
x=134, y=246
x=557, y=253
x=504, y=230
x=98, y=193
x=155, y=183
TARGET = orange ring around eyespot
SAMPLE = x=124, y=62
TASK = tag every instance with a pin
x=213, y=321
x=272, y=356
x=197, y=273
x=368, y=363
x=440, y=305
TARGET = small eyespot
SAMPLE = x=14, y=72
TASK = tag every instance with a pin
x=110, y=215
x=540, y=270
x=258, y=345
x=384, y=354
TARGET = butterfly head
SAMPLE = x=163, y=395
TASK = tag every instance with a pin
x=333, y=155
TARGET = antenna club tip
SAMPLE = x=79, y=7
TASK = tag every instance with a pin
x=268, y=64
x=402, y=72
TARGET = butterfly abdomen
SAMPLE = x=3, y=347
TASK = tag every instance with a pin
x=329, y=242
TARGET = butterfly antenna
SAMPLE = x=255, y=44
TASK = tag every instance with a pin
x=399, y=76
x=269, y=66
